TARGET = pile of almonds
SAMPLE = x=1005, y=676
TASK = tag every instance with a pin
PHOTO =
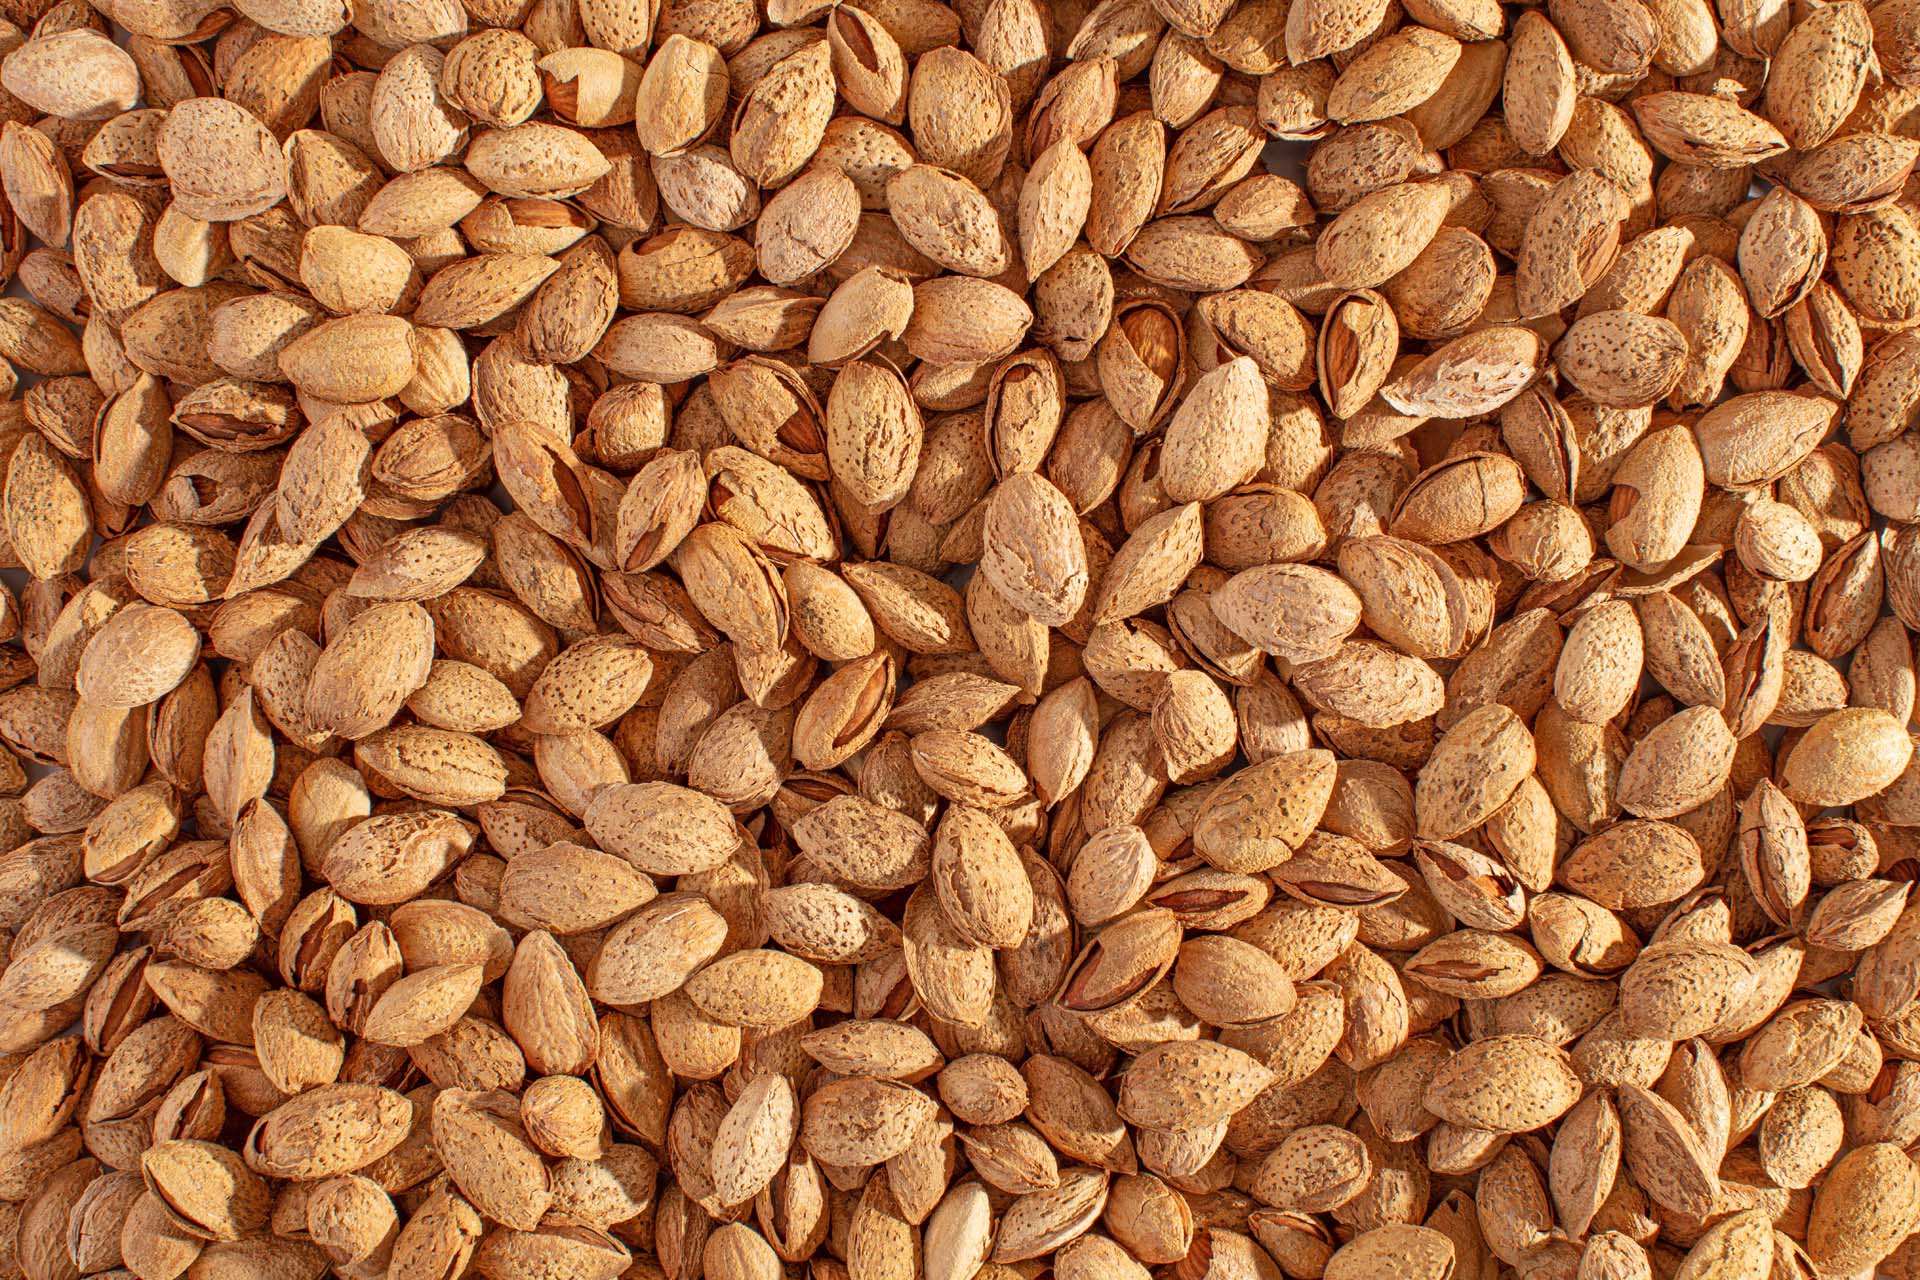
x=676, y=639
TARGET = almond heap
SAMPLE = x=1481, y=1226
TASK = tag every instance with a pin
x=706, y=640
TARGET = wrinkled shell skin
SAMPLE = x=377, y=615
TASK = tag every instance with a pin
x=730, y=640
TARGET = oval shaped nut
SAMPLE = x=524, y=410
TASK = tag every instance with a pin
x=828, y=617
x=1817, y=75
x=682, y=95
x=352, y=359
x=1740, y=1244
x=434, y=765
x=1677, y=765
x=980, y=1088
x=1122, y=961
x=978, y=879
x=365, y=675
x=1699, y=129
x=1800, y=1135
x=1657, y=496
x=327, y=1130
x=1127, y=165
x=1296, y=612
x=963, y=319
x=1395, y=1249
x=951, y=972
x=1474, y=964
x=866, y=844
x=493, y=76
x=1193, y=727
x=808, y=225
x=1472, y=772
x=1393, y=76
x=1855, y=915
x=967, y=768
x=1710, y=307
x=663, y=829
x=1884, y=394
x=1380, y=234
x=586, y=686
x=1773, y=853
x=595, y=88
x=1634, y=864
x=1440, y=295
x=40, y=190
x=1568, y=242
x=1476, y=889
x=781, y=120
x=1824, y=335
x=947, y=218
x=758, y=988
x=860, y=1122
x=1643, y=276
x=1315, y=1169
x=1800, y=1044
x=1504, y=1084
x=1183, y=1085
x=76, y=75
x=1462, y=497
x=1782, y=252
x=1371, y=685
x=1677, y=989
x=1846, y=755
x=1257, y=818
x=205, y=1188
x=1357, y=344
x=1472, y=374
x=1227, y=982
x=1194, y=254
x=1842, y=618
x=536, y=161
x=1866, y=1204
x=1042, y=1221
x=1410, y=597
x=844, y=712
x=1601, y=663
x=874, y=1047
x=1033, y=551
x=1264, y=328
x=1372, y=802
x=422, y=1005
x=654, y=951
x=1110, y=874
x=1851, y=173
x=1777, y=543
x=1538, y=88
x=869, y=306
x=1752, y=439
x=1151, y=565
x=828, y=925
x=1217, y=438
x=222, y=162
x=1622, y=359
x=1580, y=936
x=873, y=431
x=141, y=654
x=1664, y=1151
x=751, y=1142
x=568, y=889
x=1619, y=40
x=489, y=1157
x=45, y=509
